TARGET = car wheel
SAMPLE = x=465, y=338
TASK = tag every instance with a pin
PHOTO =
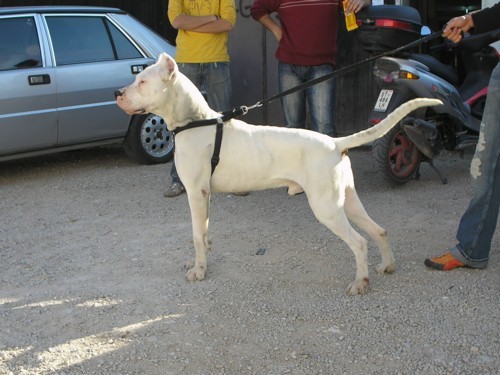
x=148, y=140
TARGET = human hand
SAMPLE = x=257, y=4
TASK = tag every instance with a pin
x=454, y=28
x=355, y=5
x=278, y=34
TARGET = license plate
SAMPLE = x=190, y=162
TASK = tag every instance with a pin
x=384, y=98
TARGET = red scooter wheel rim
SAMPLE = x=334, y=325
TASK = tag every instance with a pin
x=404, y=156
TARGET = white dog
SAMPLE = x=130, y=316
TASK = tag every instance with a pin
x=261, y=157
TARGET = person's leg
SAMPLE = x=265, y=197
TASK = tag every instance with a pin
x=173, y=174
x=321, y=100
x=176, y=187
x=294, y=105
x=217, y=82
x=192, y=71
x=479, y=221
x=216, y=79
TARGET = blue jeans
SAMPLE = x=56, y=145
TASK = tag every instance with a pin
x=479, y=221
x=215, y=80
x=319, y=98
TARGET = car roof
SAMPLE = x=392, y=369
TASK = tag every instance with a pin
x=58, y=9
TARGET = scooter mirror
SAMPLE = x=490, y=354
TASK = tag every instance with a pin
x=425, y=30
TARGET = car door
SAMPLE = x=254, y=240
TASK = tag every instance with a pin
x=93, y=59
x=28, y=116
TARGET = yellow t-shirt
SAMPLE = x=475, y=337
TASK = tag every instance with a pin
x=193, y=47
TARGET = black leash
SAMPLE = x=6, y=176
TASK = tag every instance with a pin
x=347, y=69
x=235, y=112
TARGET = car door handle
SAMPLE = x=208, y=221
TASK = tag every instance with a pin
x=42, y=79
x=136, y=69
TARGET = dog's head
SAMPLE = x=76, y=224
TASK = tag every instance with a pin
x=150, y=90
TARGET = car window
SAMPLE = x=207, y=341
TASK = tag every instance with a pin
x=124, y=48
x=84, y=39
x=19, y=44
x=79, y=39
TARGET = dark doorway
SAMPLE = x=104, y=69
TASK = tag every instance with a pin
x=436, y=13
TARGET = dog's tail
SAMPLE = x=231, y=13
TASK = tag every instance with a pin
x=377, y=131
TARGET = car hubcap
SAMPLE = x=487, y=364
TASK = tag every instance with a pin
x=156, y=139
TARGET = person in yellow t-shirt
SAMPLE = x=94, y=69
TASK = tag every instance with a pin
x=203, y=27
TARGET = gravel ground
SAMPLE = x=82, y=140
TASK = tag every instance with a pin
x=92, y=278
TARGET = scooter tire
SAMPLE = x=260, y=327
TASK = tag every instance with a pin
x=397, y=159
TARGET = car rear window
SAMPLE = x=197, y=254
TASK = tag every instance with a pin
x=19, y=45
x=124, y=48
x=85, y=39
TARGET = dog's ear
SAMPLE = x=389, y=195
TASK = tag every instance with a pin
x=168, y=67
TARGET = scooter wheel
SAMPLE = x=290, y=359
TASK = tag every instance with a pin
x=396, y=157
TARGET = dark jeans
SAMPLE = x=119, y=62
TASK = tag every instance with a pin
x=319, y=98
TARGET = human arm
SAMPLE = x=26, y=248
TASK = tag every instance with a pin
x=487, y=19
x=261, y=11
x=213, y=23
x=482, y=21
x=202, y=24
x=271, y=25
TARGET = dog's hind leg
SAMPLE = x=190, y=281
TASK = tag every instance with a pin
x=327, y=211
x=199, y=205
x=357, y=214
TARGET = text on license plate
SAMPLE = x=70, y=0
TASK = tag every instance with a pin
x=384, y=98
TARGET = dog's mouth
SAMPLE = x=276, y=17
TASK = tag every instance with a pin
x=128, y=109
x=131, y=112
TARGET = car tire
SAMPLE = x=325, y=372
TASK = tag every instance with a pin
x=148, y=140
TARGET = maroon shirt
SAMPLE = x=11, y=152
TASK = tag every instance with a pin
x=309, y=29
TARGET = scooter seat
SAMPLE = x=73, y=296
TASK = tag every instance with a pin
x=437, y=67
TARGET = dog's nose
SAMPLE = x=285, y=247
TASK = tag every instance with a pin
x=118, y=93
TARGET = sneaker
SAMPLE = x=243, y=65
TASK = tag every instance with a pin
x=445, y=262
x=174, y=190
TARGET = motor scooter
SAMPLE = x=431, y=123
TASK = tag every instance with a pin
x=425, y=133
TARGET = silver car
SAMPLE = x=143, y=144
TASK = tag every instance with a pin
x=59, y=68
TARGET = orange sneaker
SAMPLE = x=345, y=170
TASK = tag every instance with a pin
x=445, y=262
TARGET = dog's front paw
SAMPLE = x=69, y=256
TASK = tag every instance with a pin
x=358, y=287
x=196, y=273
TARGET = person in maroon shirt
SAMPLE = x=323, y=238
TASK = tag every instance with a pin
x=307, y=36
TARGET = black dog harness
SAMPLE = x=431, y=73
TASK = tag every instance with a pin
x=219, y=121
